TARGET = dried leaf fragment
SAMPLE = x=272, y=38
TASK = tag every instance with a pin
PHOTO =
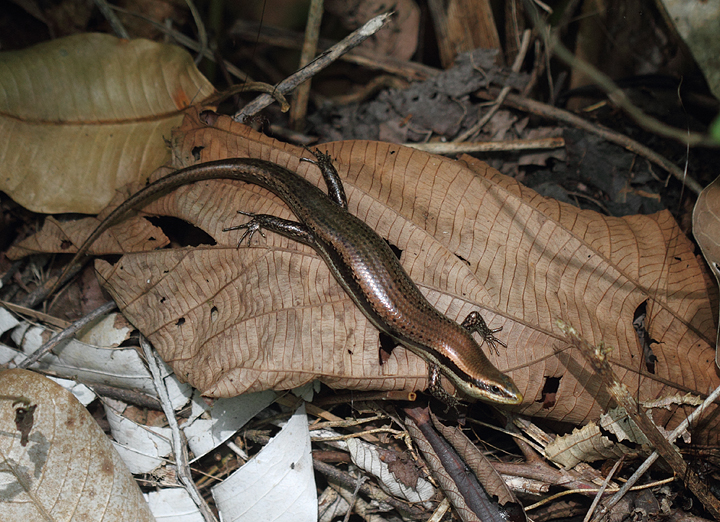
x=586, y=444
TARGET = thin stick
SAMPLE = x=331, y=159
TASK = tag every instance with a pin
x=488, y=146
x=117, y=26
x=654, y=456
x=202, y=33
x=353, y=40
x=68, y=332
x=309, y=49
x=602, y=489
x=597, y=357
x=519, y=59
x=179, y=449
x=619, y=98
x=276, y=37
x=186, y=41
x=548, y=111
x=369, y=489
x=616, y=95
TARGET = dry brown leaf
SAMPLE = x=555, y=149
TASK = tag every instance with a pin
x=91, y=113
x=136, y=234
x=271, y=315
x=57, y=464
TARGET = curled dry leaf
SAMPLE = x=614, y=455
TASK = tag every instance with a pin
x=706, y=229
x=486, y=474
x=91, y=112
x=586, y=444
x=57, y=464
x=270, y=314
x=461, y=488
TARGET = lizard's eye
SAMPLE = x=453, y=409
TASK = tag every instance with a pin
x=495, y=389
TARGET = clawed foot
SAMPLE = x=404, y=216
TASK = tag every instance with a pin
x=324, y=162
x=252, y=226
x=475, y=323
x=437, y=391
x=322, y=159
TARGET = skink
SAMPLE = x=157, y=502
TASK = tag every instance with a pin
x=361, y=261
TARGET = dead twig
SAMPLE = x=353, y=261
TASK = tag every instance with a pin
x=519, y=59
x=488, y=146
x=291, y=82
x=312, y=35
x=277, y=37
x=548, y=111
x=616, y=95
x=182, y=462
x=70, y=331
x=367, y=489
x=186, y=41
x=597, y=357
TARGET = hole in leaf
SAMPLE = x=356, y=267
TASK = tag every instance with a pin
x=397, y=251
x=644, y=338
x=209, y=117
x=387, y=344
x=461, y=258
x=181, y=233
x=133, y=340
x=24, y=420
x=549, y=392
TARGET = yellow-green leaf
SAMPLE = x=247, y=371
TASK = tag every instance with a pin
x=83, y=115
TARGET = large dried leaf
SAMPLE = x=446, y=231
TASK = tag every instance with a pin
x=83, y=115
x=55, y=461
x=271, y=315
